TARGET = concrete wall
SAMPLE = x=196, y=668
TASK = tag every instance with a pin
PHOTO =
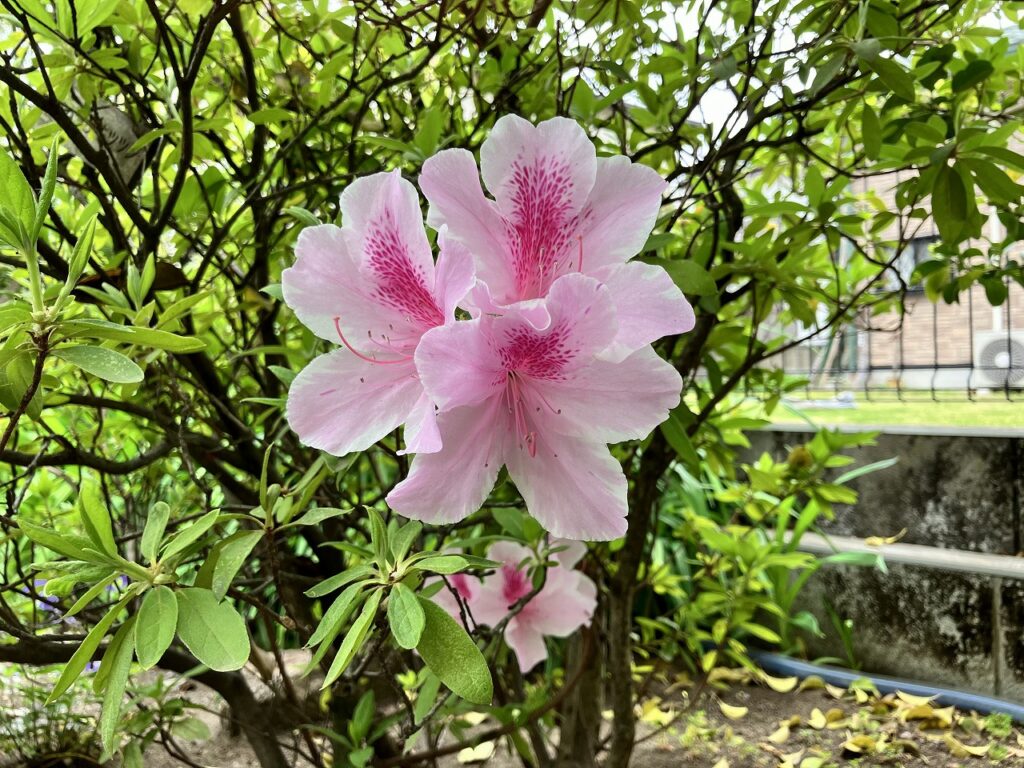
x=953, y=489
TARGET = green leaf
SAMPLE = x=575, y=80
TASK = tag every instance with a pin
x=96, y=518
x=405, y=616
x=46, y=191
x=871, y=132
x=675, y=432
x=338, y=580
x=73, y=547
x=233, y=552
x=158, y=620
x=213, y=631
x=949, y=204
x=336, y=615
x=102, y=362
x=147, y=337
x=691, y=277
x=452, y=655
x=443, y=564
x=993, y=180
x=354, y=639
x=91, y=594
x=976, y=72
x=404, y=538
x=186, y=537
x=117, y=664
x=153, y=533
x=85, y=652
x=17, y=194
x=379, y=539
x=894, y=77
x=426, y=696
x=318, y=515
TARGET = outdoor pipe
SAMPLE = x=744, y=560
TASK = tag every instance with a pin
x=784, y=666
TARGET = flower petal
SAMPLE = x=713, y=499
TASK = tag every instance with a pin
x=621, y=211
x=565, y=604
x=451, y=182
x=454, y=275
x=559, y=334
x=324, y=283
x=421, y=432
x=384, y=230
x=509, y=553
x=489, y=605
x=609, y=402
x=453, y=483
x=340, y=404
x=571, y=552
x=458, y=366
x=573, y=487
x=526, y=643
x=541, y=177
x=648, y=306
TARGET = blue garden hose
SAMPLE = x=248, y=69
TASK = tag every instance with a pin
x=784, y=666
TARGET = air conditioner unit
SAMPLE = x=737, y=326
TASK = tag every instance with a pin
x=999, y=358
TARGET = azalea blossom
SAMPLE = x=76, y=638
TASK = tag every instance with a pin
x=465, y=586
x=557, y=209
x=565, y=603
x=529, y=390
x=372, y=287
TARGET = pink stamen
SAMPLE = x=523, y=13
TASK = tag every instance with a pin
x=514, y=400
x=580, y=238
x=360, y=355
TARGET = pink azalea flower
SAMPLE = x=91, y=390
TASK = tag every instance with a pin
x=565, y=603
x=539, y=399
x=557, y=209
x=465, y=586
x=372, y=287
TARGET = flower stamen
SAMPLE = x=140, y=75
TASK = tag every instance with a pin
x=360, y=355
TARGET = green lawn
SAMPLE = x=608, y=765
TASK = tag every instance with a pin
x=952, y=409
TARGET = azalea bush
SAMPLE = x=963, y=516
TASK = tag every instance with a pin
x=420, y=343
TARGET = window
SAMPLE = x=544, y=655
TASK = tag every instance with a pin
x=918, y=250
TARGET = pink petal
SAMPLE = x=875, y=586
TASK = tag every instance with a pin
x=558, y=148
x=621, y=212
x=565, y=604
x=610, y=402
x=384, y=229
x=421, y=432
x=467, y=587
x=452, y=484
x=455, y=275
x=509, y=553
x=648, y=306
x=561, y=333
x=324, y=283
x=526, y=643
x=451, y=182
x=458, y=365
x=340, y=404
x=541, y=177
x=570, y=552
x=573, y=487
x=489, y=605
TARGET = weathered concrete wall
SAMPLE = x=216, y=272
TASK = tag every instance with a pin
x=951, y=489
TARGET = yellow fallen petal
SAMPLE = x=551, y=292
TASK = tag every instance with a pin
x=878, y=541
x=812, y=683
x=733, y=713
x=959, y=749
x=780, y=684
x=477, y=754
x=861, y=744
x=780, y=736
x=817, y=719
x=918, y=712
x=913, y=701
x=812, y=762
x=835, y=691
x=723, y=763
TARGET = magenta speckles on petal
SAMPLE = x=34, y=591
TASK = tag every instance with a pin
x=543, y=226
x=400, y=284
x=535, y=354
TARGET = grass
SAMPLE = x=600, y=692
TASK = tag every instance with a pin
x=951, y=409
